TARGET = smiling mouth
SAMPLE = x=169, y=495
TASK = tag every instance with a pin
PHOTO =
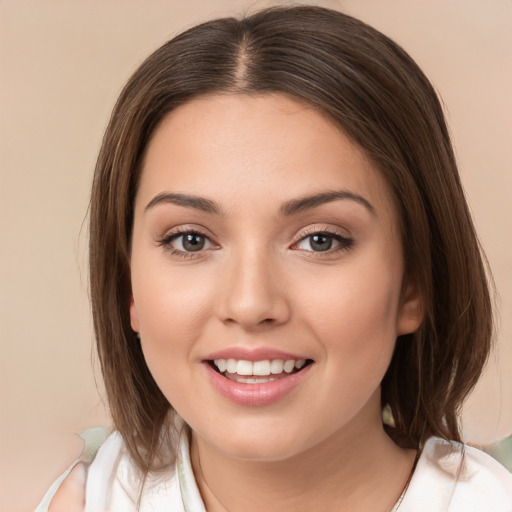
x=258, y=372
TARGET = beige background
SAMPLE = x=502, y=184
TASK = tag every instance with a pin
x=62, y=63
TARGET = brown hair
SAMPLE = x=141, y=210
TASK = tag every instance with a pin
x=372, y=89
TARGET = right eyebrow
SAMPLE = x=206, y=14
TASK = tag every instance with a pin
x=309, y=202
x=188, y=201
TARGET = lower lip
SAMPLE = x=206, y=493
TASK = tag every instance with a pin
x=256, y=395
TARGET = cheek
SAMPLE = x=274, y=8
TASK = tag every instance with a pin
x=172, y=309
x=168, y=299
x=171, y=321
x=355, y=315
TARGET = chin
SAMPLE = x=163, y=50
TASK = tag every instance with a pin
x=259, y=444
x=263, y=452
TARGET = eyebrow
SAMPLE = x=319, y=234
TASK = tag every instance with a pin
x=188, y=201
x=287, y=209
x=308, y=202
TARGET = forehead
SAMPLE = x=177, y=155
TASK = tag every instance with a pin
x=248, y=147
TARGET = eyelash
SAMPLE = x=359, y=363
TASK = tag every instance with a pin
x=167, y=240
x=345, y=243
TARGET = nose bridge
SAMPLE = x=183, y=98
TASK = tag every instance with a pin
x=254, y=293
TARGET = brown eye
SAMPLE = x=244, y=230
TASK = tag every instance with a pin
x=193, y=242
x=187, y=242
x=324, y=242
x=320, y=242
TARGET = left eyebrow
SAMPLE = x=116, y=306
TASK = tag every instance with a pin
x=187, y=201
x=308, y=202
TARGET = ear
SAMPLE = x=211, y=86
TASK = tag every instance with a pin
x=134, y=316
x=411, y=312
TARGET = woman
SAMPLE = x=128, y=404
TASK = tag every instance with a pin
x=281, y=249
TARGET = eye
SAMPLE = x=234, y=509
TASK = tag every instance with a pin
x=190, y=242
x=323, y=242
x=183, y=243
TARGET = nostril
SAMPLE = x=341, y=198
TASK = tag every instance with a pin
x=253, y=301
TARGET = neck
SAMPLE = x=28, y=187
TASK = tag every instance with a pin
x=357, y=478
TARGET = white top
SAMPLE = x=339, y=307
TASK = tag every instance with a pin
x=449, y=477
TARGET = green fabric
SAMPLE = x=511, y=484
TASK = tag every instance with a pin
x=501, y=451
x=93, y=439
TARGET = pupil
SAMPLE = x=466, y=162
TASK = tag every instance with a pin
x=321, y=243
x=193, y=242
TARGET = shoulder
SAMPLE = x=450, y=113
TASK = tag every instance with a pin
x=67, y=493
x=114, y=482
x=483, y=482
x=106, y=478
x=458, y=478
x=70, y=495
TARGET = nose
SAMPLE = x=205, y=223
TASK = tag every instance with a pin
x=254, y=293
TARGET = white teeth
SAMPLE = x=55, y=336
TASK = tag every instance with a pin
x=244, y=367
x=221, y=365
x=231, y=366
x=289, y=366
x=258, y=368
x=261, y=368
x=253, y=380
x=276, y=366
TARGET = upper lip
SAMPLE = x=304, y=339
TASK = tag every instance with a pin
x=253, y=354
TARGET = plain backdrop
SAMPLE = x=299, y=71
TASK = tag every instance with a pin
x=62, y=64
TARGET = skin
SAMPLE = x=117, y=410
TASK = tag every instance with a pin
x=71, y=494
x=259, y=283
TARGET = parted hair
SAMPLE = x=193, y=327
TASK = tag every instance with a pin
x=372, y=89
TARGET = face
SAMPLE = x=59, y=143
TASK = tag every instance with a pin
x=267, y=275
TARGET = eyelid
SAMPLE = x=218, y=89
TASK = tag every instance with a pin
x=184, y=229
x=345, y=241
x=322, y=228
x=170, y=235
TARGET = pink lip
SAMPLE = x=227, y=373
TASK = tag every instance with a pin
x=256, y=395
x=255, y=354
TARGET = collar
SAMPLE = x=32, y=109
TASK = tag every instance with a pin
x=190, y=496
